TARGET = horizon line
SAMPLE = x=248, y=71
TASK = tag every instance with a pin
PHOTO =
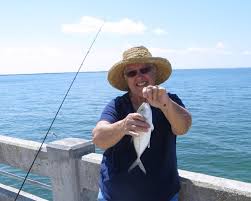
x=205, y=68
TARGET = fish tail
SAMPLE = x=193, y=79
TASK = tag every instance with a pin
x=139, y=163
x=134, y=164
x=141, y=166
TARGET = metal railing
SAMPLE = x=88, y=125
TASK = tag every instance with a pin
x=30, y=181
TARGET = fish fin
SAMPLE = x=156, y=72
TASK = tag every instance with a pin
x=139, y=163
x=141, y=166
x=148, y=144
x=152, y=127
x=134, y=164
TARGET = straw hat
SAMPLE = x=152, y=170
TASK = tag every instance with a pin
x=138, y=55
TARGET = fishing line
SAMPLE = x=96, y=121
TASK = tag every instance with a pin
x=58, y=111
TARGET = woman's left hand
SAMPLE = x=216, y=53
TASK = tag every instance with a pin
x=156, y=96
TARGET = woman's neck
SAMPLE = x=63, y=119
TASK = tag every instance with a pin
x=136, y=100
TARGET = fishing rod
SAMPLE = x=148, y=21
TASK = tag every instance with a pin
x=58, y=111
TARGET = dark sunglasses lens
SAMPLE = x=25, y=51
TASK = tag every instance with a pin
x=145, y=70
x=131, y=73
x=142, y=71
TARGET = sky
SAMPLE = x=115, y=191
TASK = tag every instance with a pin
x=54, y=36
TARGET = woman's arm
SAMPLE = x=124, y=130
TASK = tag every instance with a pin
x=107, y=134
x=179, y=118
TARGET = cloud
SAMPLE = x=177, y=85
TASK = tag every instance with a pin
x=198, y=57
x=219, y=49
x=220, y=45
x=87, y=24
x=41, y=59
x=49, y=59
x=90, y=24
x=159, y=31
x=246, y=52
x=35, y=60
x=30, y=51
x=162, y=51
x=197, y=49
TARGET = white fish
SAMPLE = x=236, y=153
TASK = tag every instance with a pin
x=142, y=141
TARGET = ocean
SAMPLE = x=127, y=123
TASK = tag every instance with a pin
x=218, y=143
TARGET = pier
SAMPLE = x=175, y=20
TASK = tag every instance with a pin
x=73, y=168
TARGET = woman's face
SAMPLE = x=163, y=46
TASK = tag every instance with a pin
x=139, y=76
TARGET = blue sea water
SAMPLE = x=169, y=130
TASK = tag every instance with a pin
x=218, y=143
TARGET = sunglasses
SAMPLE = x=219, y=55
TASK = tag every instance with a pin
x=144, y=70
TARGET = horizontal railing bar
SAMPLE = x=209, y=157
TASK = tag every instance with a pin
x=31, y=181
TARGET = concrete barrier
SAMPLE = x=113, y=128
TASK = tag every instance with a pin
x=202, y=187
x=8, y=193
x=20, y=153
x=74, y=170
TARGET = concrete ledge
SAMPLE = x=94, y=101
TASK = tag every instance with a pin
x=89, y=168
x=201, y=187
x=20, y=154
x=74, y=173
x=63, y=156
x=8, y=193
x=194, y=186
x=72, y=147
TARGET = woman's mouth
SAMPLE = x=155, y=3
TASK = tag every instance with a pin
x=141, y=84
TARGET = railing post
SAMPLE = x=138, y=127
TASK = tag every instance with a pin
x=64, y=171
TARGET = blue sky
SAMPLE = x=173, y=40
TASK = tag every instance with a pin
x=53, y=36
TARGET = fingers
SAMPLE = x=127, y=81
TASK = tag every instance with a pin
x=137, y=116
x=155, y=95
x=155, y=92
x=134, y=134
x=152, y=93
x=134, y=124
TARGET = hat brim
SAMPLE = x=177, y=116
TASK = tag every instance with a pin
x=116, y=73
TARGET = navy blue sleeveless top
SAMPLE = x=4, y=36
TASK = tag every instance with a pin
x=161, y=182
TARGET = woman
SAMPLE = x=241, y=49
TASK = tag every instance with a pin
x=140, y=74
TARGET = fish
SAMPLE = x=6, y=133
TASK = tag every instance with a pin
x=142, y=141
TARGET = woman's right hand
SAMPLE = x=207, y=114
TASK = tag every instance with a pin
x=135, y=124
